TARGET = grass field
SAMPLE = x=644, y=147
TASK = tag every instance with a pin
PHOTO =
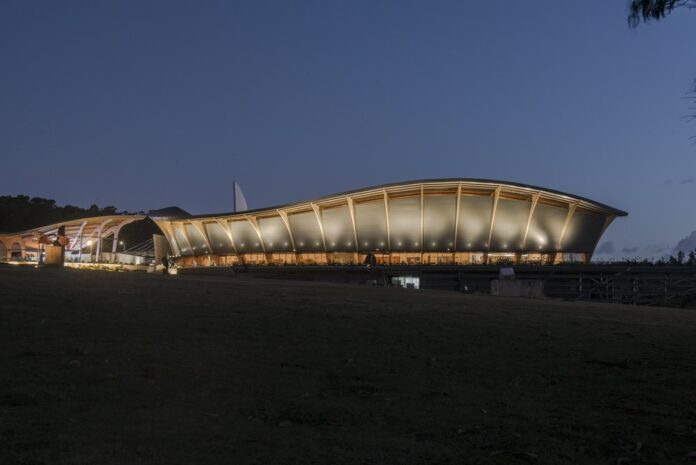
x=126, y=368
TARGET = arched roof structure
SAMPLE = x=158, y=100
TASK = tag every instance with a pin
x=434, y=215
x=77, y=232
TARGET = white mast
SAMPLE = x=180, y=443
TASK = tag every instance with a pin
x=238, y=200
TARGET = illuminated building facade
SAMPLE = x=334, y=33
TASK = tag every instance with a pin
x=81, y=240
x=450, y=221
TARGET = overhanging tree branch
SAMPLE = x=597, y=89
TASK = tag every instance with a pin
x=647, y=10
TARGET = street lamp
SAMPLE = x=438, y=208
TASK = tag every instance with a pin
x=123, y=244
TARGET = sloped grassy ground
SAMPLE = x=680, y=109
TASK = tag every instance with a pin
x=125, y=368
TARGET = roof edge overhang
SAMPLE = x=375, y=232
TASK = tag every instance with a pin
x=472, y=181
x=75, y=222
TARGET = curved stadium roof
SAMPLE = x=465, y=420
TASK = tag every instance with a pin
x=444, y=215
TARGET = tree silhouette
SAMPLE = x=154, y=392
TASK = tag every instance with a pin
x=647, y=10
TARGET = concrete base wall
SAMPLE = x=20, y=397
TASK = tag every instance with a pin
x=531, y=289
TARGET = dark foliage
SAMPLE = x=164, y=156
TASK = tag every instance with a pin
x=646, y=10
x=680, y=259
x=22, y=212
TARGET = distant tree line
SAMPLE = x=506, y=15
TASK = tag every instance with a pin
x=23, y=212
x=680, y=259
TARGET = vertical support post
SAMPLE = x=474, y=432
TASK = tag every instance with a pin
x=571, y=210
x=226, y=227
x=82, y=227
x=198, y=225
x=182, y=229
x=386, y=213
x=255, y=225
x=114, y=246
x=535, y=199
x=355, y=230
x=100, y=229
x=456, y=223
x=496, y=196
x=422, y=202
x=317, y=213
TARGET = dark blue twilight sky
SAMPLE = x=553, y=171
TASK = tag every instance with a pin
x=148, y=104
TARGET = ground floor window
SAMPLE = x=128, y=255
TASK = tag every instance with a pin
x=501, y=258
x=438, y=258
x=411, y=282
x=253, y=258
x=342, y=258
x=570, y=258
x=404, y=258
x=311, y=259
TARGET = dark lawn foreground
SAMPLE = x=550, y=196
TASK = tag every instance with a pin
x=125, y=368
